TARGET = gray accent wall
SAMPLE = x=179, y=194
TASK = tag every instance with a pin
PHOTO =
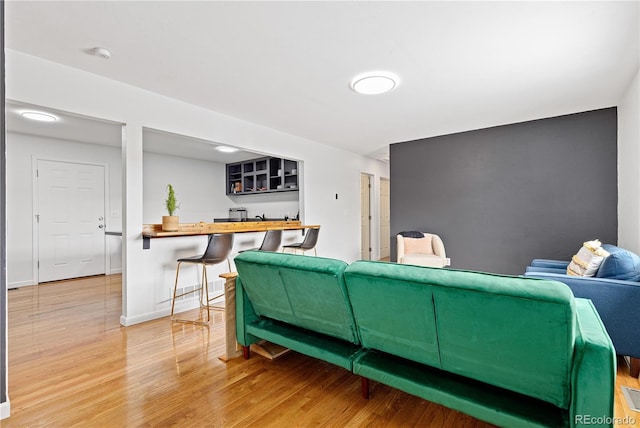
x=499, y=197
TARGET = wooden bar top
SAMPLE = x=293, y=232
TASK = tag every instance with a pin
x=202, y=228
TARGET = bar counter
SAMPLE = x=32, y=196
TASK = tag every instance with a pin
x=150, y=231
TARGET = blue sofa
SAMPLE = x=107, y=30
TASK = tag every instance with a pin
x=616, y=300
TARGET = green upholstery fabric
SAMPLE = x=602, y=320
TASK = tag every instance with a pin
x=496, y=337
x=512, y=351
x=594, y=367
x=335, y=351
x=486, y=327
x=307, y=292
x=394, y=310
x=245, y=316
x=488, y=403
x=251, y=329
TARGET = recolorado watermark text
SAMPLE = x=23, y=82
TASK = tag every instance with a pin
x=604, y=420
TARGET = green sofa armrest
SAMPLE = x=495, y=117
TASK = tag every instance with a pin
x=245, y=315
x=594, y=370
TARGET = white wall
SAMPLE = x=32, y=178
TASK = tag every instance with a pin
x=326, y=171
x=201, y=191
x=22, y=150
x=272, y=205
x=628, y=167
x=198, y=185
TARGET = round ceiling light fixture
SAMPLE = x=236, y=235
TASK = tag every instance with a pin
x=39, y=116
x=226, y=149
x=374, y=82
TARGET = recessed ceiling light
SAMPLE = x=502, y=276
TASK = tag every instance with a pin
x=226, y=149
x=374, y=83
x=42, y=117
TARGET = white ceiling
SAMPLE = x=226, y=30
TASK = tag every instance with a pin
x=287, y=65
x=167, y=143
x=67, y=127
x=72, y=127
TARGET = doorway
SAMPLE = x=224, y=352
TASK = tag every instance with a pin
x=70, y=220
x=72, y=143
x=385, y=218
x=365, y=216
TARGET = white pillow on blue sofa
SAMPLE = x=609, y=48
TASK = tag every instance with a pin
x=587, y=260
x=620, y=264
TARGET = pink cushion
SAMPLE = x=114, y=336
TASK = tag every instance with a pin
x=418, y=245
x=423, y=260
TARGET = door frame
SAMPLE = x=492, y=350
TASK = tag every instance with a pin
x=371, y=212
x=35, y=210
x=380, y=236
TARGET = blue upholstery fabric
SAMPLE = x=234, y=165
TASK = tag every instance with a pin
x=616, y=301
x=551, y=264
x=548, y=270
x=621, y=264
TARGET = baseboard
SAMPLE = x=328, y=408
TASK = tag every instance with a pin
x=181, y=306
x=5, y=409
x=128, y=321
x=115, y=271
x=18, y=284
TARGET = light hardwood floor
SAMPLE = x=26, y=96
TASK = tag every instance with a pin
x=72, y=364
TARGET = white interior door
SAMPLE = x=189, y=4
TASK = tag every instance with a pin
x=385, y=217
x=365, y=217
x=70, y=216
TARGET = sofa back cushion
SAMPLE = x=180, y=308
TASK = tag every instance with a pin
x=394, y=310
x=308, y=292
x=620, y=264
x=515, y=333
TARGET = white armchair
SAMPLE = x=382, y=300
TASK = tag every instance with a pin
x=427, y=250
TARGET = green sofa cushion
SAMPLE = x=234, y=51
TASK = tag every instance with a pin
x=308, y=292
x=488, y=403
x=487, y=327
x=335, y=351
x=394, y=311
x=510, y=332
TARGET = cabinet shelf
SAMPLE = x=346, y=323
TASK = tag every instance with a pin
x=262, y=175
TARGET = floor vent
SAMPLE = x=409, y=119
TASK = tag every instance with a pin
x=632, y=396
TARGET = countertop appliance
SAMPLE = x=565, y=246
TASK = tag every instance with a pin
x=238, y=214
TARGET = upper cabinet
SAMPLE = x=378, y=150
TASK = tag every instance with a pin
x=262, y=175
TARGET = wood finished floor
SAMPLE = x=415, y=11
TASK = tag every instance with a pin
x=72, y=364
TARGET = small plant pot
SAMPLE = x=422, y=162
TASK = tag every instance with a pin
x=170, y=223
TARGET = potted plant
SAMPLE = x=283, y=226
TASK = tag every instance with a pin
x=170, y=222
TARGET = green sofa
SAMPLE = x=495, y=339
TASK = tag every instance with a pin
x=511, y=351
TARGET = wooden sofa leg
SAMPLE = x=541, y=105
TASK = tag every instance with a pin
x=365, y=387
x=246, y=352
x=634, y=370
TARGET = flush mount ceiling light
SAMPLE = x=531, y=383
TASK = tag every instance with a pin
x=374, y=83
x=37, y=115
x=226, y=149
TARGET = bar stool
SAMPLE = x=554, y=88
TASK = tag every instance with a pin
x=218, y=249
x=271, y=242
x=309, y=242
